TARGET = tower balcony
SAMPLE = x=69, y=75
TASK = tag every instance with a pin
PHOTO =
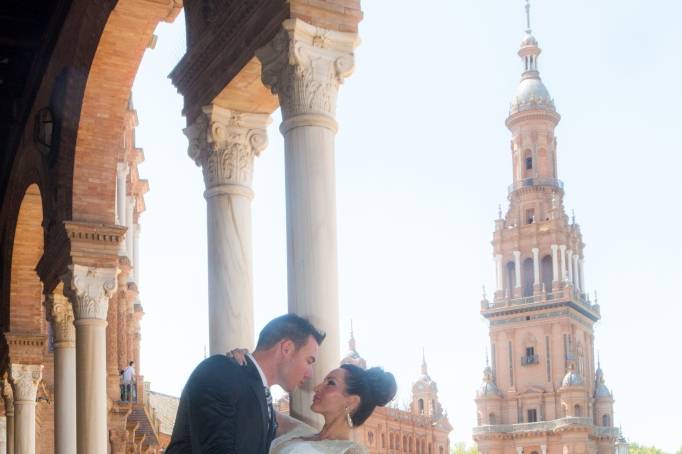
x=567, y=296
x=539, y=181
x=556, y=425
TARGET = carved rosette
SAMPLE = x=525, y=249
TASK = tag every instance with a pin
x=92, y=287
x=62, y=319
x=25, y=380
x=304, y=65
x=224, y=143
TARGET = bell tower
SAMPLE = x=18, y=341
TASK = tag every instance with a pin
x=539, y=392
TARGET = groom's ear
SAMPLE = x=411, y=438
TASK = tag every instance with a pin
x=287, y=347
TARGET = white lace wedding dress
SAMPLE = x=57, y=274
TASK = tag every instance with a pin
x=292, y=443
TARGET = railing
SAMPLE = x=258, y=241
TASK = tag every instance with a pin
x=603, y=431
x=528, y=360
x=539, y=181
x=542, y=426
x=549, y=297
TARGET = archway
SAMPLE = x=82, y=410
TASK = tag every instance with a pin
x=547, y=273
x=528, y=277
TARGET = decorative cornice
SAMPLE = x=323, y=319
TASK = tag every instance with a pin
x=92, y=287
x=304, y=65
x=25, y=379
x=224, y=143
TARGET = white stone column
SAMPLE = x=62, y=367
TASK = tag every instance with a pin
x=517, y=267
x=90, y=290
x=122, y=169
x=136, y=253
x=576, y=272
x=562, y=248
x=8, y=397
x=64, y=373
x=555, y=263
x=225, y=143
x=569, y=266
x=25, y=379
x=499, y=274
x=305, y=65
x=130, y=209
x=581, y=269
x=519, y=450
x=536, y=266
x=543, y=448
x=3, y=435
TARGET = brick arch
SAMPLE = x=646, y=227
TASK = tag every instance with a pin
x=25, y=288
x=125, y=37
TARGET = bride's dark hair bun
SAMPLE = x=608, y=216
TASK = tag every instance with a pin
x=374, y=386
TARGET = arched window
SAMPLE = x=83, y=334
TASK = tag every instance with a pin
x=441, y=450
x=411, y=444
x=528, y=277
x=390, y=441
x=547, y=273
x=527, y=164
x=478, y=418
x=383, y=440
x=370, y=438
x=492, y=420
x=404, y=443
x=511, y=278
x=606, y=420
x=577, y=411
x=420, y=404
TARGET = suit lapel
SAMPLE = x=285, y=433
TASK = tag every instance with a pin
x=257, y=384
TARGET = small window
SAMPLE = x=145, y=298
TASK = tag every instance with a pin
x=370, y=437
x=530, y=351
x=577, y=411
x=529, y=163
x=532, y=415
x=530, y=216
x=492, y=420
x=606, y=421
x=420, y=404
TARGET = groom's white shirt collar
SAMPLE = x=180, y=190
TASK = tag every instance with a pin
x=260, y=371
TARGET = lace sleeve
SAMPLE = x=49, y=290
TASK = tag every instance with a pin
x=356, y=449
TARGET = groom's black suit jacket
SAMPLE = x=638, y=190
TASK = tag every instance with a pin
x=222, y=410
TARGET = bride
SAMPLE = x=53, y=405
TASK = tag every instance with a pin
x=346, y=398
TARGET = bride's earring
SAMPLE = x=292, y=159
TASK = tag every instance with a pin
x=349, y=420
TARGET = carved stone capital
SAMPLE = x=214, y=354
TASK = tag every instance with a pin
x=25, y=379
x=7, y=395
x=61, y=313
x=224, y=143
x=304, y=65
x=91, y=287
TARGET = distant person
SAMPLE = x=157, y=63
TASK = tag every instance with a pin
x=226, y=408
x=129, y=380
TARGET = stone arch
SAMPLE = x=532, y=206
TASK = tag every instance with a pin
x=126, y=34
x=26, y=311
x=527, y=277
x=547, y=272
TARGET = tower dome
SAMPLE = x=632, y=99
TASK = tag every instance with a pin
x=531, y=93
x=488, y=387
x=600, y=389
x=352, y=356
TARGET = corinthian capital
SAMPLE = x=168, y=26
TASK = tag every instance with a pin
x=304, y=65
x=224, y=143
x=25, y=378
x=7, y=395
x=61, y=313
x=92, y=287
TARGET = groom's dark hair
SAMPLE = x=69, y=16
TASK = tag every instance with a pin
x=289, y=326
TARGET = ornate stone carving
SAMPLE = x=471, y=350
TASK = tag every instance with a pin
x=62, y=318
x=224, y=143
x=7, y=395
x=26, y=378
x=304, y=65
x=92, y=287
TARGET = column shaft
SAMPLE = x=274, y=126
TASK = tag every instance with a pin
x=536, y=266
x=3, y=434
x=25, y=379
x=569, y=266
x=305, y=65
x=562, y=248
x=555, y=263
x=499, y=274
x=91, y=289
x=10, y=433
x=136, y=253
x=581, y=267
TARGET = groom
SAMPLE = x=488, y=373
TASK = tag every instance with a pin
x=226, y=408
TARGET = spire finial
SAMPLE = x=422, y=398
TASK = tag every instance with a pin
x=528, y=16
x=424, y=369
x=573, y=216
x=499, y=211
x=351, y=341
x=598, y=360
x=484, y=295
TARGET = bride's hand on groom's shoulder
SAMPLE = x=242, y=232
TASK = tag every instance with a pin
x=238, y=355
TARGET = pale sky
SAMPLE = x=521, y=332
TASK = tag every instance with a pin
x=423, y=161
